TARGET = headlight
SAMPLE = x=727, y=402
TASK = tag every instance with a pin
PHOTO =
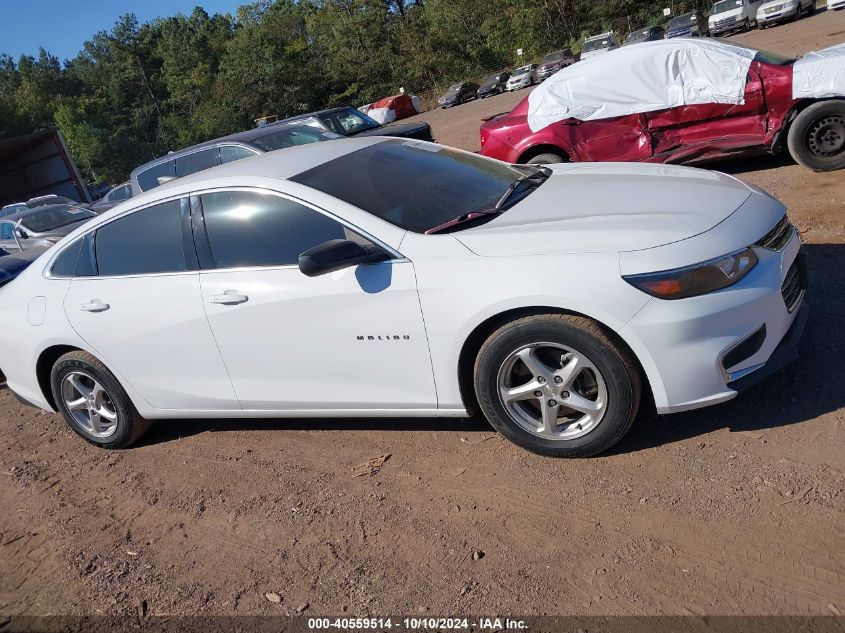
x=698, y=279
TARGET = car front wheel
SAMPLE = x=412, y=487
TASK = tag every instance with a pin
x=557, y=385
x=816, y=138
x=93, y=402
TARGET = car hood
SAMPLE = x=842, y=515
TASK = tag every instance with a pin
x=63, y=230
x=609, y=207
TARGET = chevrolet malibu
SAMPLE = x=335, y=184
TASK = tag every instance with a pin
x=392, y=277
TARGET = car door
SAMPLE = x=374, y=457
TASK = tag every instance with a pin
x=349, y=340
x=139, y=308
x=712, y=125
x=624, y=138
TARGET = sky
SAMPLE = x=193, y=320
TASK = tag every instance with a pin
x=61, y=26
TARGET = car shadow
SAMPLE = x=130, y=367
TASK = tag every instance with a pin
x=806, y=389
x=737, y=166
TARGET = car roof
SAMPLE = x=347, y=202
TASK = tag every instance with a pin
x=246, y=137
x=24, y=213
x=282, y=164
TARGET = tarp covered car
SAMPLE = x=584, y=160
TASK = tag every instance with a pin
x=393, y=108
x=681, y=101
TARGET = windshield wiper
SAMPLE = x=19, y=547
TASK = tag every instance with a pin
x=535, y=179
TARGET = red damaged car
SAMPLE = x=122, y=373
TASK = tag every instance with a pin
x=680, y=101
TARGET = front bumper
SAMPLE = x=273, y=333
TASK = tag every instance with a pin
x=687, y=341
x=784, y=13
x=522, y=83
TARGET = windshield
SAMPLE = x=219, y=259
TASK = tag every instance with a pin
x=683, y=21
x=55, y=217
x=767, y=57
x=413, y=185
x=293, y=135
x=348, y=122
x=553, y=57
x=521, y=70
x=594, y=45
x=725, y=5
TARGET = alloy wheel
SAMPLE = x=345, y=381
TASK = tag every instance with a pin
x=552, y=391
x=89, y=404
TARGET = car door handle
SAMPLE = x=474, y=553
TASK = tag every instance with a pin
x=229, y=298
x=95, y=305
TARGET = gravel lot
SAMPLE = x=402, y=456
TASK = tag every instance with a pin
x=737, y=509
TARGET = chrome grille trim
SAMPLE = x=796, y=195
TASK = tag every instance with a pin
x=777, y=238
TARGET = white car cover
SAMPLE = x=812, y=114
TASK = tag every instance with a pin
x=382, y=115
x=820, y=74
x=642, y=78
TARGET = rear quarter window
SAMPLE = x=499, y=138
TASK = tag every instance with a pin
x=157, y=175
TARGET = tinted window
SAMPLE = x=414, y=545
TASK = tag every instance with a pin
x=197, y=161
x=413, y=185
x=148, y=241
x=253, y=229
x=65, y=264
x=348, y=122
x=6, y=232
x=231, y=153
x=157, y=175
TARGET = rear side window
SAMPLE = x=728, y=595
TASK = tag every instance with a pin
x=6, y=232
x=144, y=242
x=65, y=264
x=255, y=229
x=231, y=153
x=197, y=161
x=157, y=175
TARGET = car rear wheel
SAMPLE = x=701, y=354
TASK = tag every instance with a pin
x=93, y=403
x=557, y=385
x=816, y=138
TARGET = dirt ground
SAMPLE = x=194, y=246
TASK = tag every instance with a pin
x=737, y=509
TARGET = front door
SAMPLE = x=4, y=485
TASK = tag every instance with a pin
x=715, y=126
x=141, y=312
x=352, y=339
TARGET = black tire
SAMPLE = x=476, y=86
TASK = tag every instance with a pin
x=548, y=158
x=130, y=426
x=616, y=365
x=816, y=138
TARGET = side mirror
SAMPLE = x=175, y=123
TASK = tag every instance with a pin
x=337, y=255
x=21, y=233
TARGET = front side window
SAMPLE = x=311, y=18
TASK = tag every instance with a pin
x=53, y=217
x=413, y=185
x=248, y=228
x=6, y=231
x=231, y=153
x=144, y=242
x=124, y=192
x=157, y=175
x=196, y=161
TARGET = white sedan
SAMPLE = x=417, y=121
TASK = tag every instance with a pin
x=390, y=277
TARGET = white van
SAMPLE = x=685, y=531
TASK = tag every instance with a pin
x=733, y=15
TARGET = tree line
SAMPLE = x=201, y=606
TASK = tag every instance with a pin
x=137, y=91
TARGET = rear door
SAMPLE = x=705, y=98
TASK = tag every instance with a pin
x=712, y=126
x=138, y=306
